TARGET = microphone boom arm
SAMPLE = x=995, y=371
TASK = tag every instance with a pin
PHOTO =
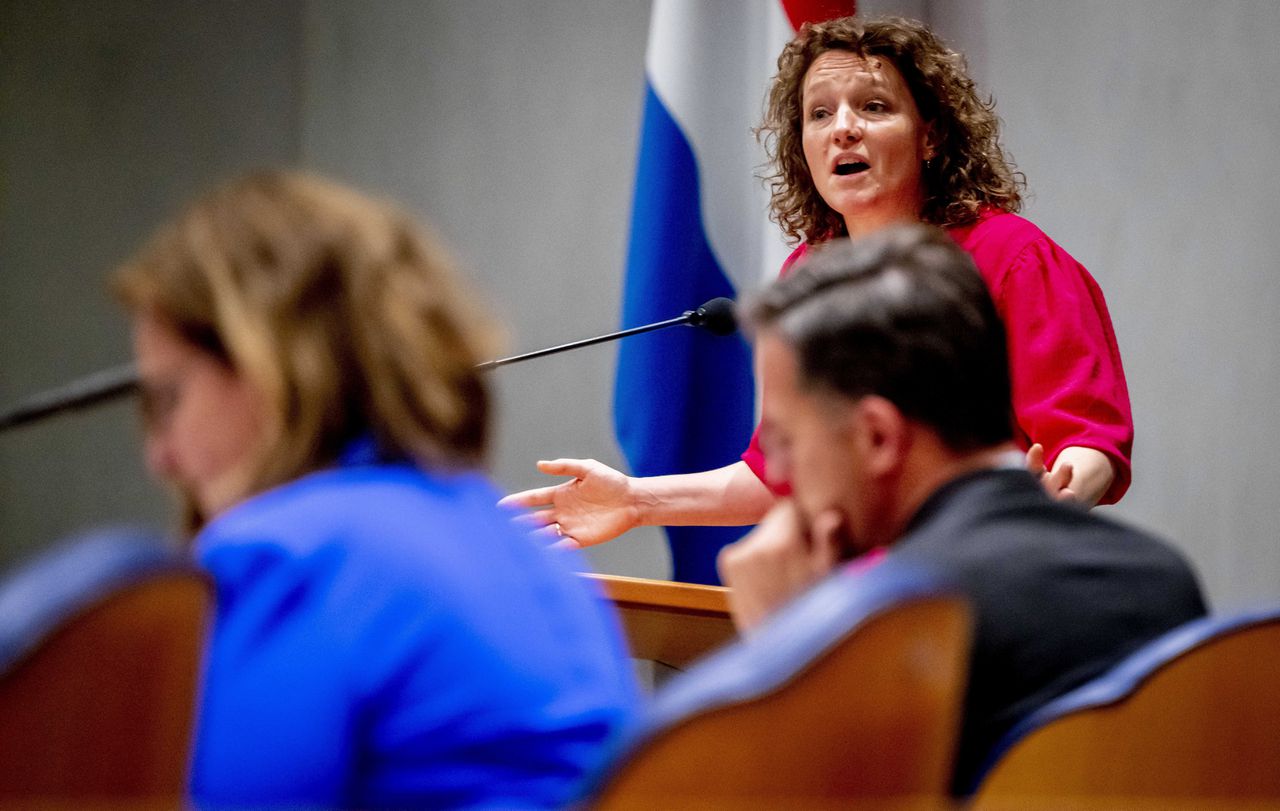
x=599, y=339
x=716, y=316
x=98, y=387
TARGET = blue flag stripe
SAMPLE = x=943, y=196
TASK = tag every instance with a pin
x=683, y=399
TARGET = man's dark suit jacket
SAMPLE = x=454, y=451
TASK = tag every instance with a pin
x=1060, y=594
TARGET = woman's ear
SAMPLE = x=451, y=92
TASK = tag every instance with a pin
x=930, y=142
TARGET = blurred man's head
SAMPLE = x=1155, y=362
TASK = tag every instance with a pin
x=885, y=374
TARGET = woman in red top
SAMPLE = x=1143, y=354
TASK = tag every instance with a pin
x=871, y=122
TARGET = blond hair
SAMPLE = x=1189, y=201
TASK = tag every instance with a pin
x=347, y=317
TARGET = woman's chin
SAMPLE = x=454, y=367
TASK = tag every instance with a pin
x=213, y=501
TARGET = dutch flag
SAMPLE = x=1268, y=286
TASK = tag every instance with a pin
x=684, y=400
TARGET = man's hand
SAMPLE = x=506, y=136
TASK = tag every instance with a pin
x=777, y=561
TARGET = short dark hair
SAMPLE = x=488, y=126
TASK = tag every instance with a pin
x=902, y=314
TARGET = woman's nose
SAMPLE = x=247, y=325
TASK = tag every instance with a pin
x=848, y=125
x=158, y=456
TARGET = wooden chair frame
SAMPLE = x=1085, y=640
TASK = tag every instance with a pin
x=100, y=647
x=1193, y=718
x=853, y=691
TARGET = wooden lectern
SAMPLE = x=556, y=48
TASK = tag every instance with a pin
x=670, y=623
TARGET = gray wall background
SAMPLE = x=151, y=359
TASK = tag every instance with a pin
x=1146, y=130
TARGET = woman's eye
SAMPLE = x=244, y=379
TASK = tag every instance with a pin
x=818, y=113
x=158, y=402
x=875, y=107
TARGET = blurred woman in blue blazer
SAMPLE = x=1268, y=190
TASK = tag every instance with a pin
x=384, y=637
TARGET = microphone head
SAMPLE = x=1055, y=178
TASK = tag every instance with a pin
x=716, y=317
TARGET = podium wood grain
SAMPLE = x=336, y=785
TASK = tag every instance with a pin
x=667, y=622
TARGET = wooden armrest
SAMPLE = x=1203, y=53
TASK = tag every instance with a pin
x=667, y=622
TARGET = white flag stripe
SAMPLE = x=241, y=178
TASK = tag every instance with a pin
x=710, y=64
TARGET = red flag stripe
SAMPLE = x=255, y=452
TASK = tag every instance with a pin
x=803, y=11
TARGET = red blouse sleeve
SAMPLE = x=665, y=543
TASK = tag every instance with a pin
x=1068, y=382
x=754, y=455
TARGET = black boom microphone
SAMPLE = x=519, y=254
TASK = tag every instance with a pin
x=98, y=387
x=716, y=317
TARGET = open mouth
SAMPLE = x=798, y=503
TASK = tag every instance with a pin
x=852, y=168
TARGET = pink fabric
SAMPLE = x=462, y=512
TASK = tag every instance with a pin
x=865, y=561
x=1068, y=382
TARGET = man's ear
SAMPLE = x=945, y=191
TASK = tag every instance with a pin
x=883, y=435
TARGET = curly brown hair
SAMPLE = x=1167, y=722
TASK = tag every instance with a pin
x=971, y=170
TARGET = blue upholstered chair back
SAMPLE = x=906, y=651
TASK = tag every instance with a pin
x=1194, y=713
x=38, y=597
x=100, y=646
x=862, y=661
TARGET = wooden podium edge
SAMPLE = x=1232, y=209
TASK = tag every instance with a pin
x=663, y=594
x=674, y=624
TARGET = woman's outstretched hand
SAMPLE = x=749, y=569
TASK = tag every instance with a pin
x=596, y=505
